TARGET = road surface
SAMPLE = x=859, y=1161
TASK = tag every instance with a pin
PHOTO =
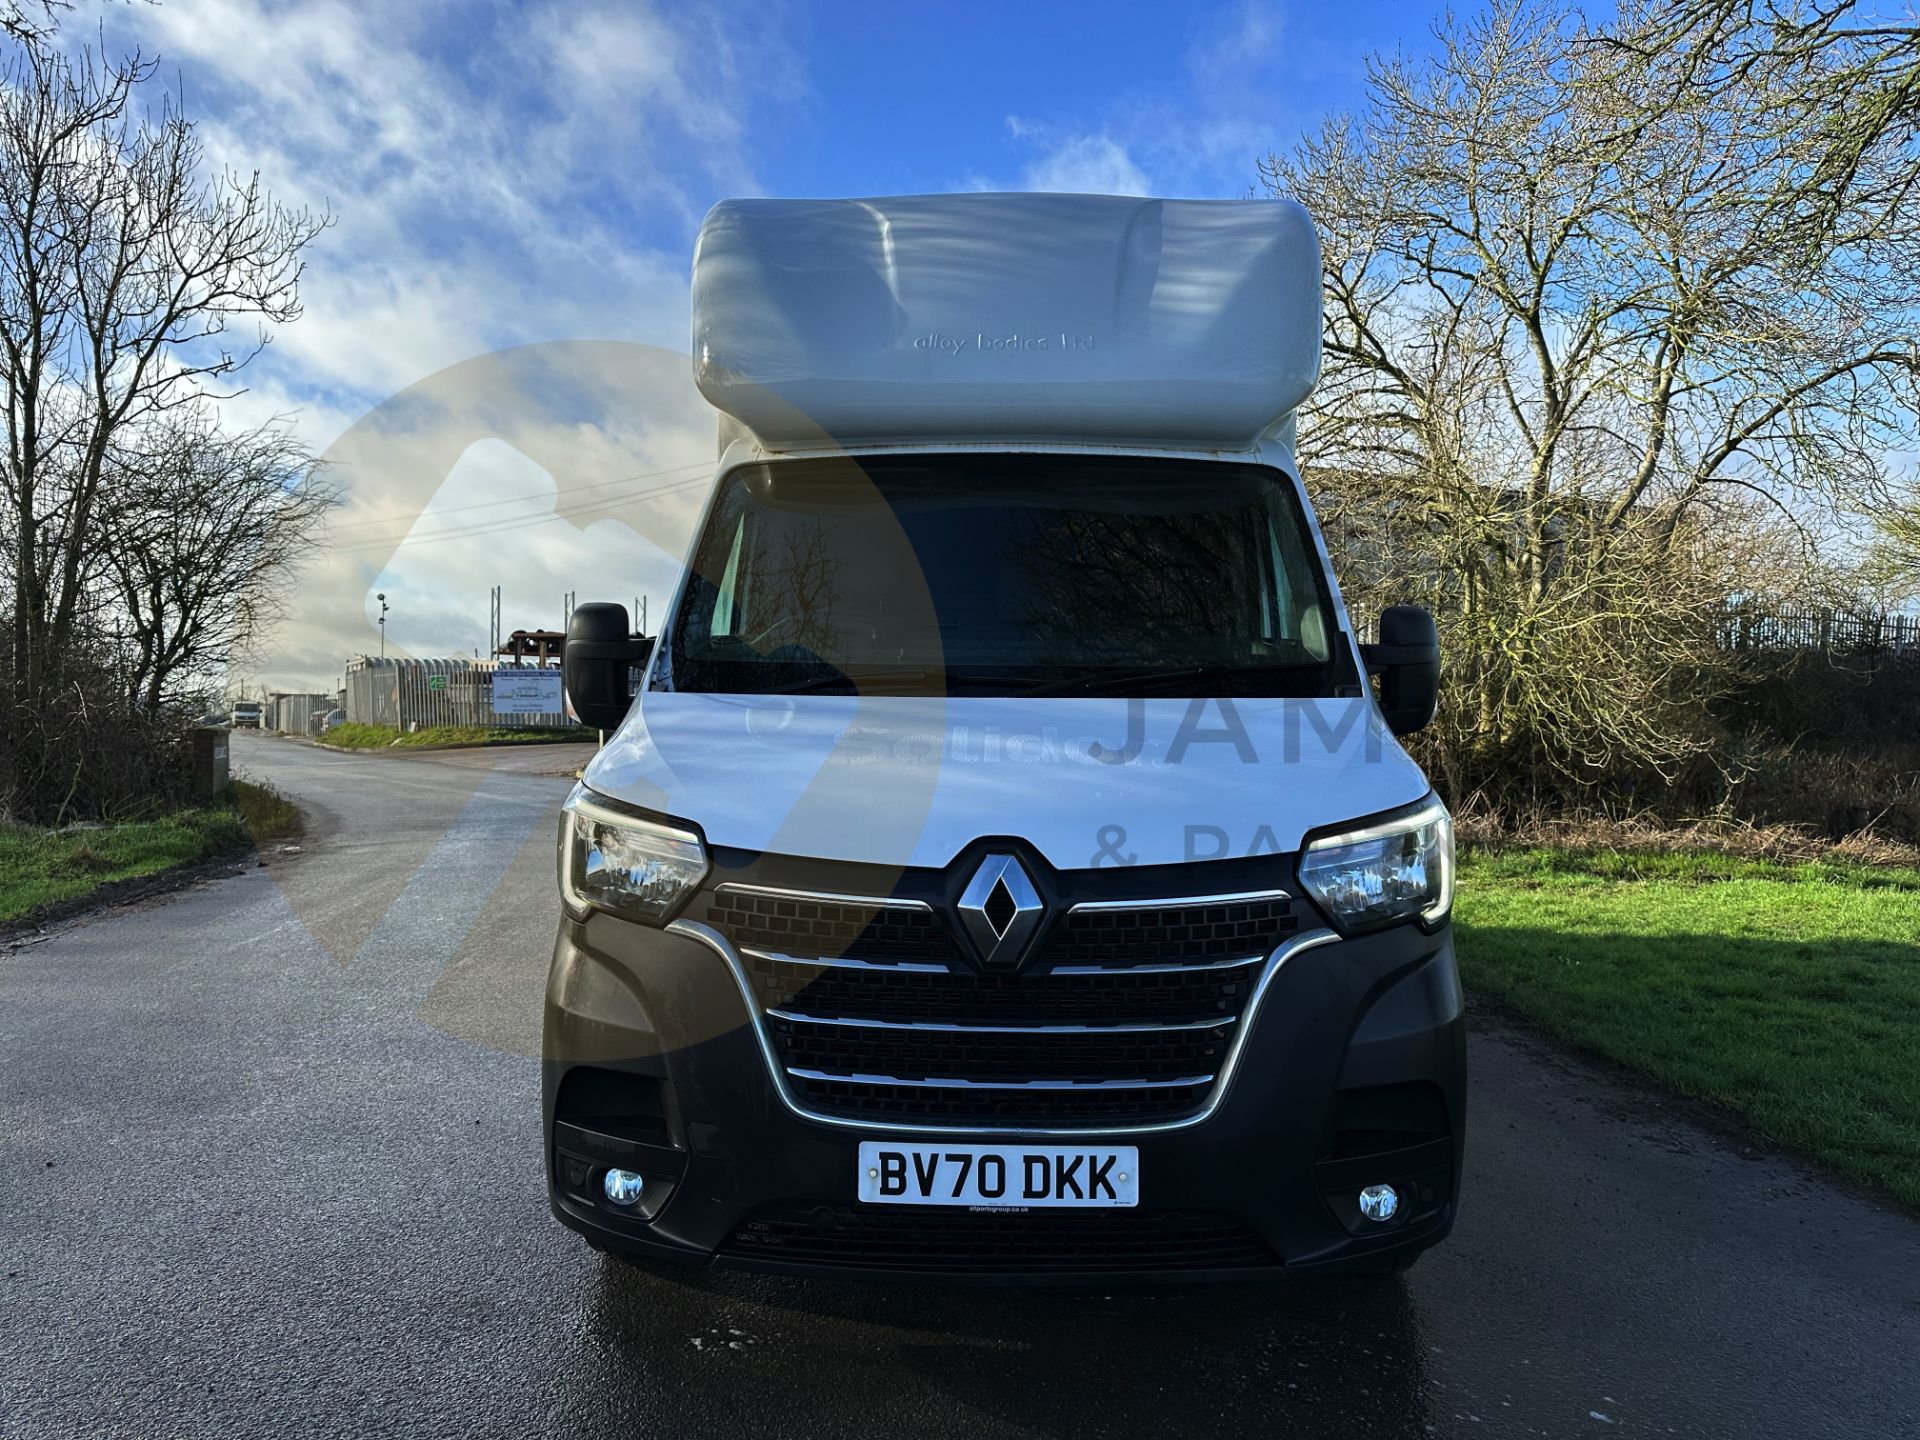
x=269, y=1162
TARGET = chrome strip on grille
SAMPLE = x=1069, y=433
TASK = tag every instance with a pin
x=1177, y=902
x=874, y=902
x=936, y=1083
x=1125, y=1027
x=1222, y=1081
x=1171, y=967
x=823, y=962
x=917, y=967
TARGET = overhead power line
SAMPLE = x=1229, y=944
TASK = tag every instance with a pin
x=599, y=508
x=523, y=499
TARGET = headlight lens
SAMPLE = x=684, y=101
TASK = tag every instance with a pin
x=1398, y=869
x=610, y=860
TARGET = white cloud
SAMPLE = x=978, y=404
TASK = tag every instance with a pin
x=495, y=520
x=1230, y=43
x=499, y=175
x=1199, y=133
x=549, y=468
x=1091, y=164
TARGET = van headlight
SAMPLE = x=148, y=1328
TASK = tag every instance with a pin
x=1396, y=869
x=610, y=860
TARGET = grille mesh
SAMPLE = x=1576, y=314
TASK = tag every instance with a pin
x=1009, y=1109
x=1034, y=1242
x=1207, y=931
x=1136, y=1054
x=967, y=997
x=832, y=929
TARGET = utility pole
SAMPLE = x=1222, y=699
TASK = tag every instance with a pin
x=384, y=607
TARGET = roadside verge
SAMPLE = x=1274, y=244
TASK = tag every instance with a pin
x=1786, y=992
x=375, y=739
x=47, y=876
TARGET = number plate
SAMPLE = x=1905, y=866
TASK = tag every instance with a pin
x=1000, y=1177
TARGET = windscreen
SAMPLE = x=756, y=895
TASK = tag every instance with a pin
x=995, y=574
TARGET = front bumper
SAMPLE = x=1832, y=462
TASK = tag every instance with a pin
x=1353, y=1073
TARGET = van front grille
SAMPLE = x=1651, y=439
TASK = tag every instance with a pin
x=1083, y=1107
x=1125, y=1016
x=1208, y=930
x=831, y=927
x=1112, y=997
x=980, y=1056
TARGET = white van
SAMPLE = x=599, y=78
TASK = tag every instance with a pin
x=1003, y=864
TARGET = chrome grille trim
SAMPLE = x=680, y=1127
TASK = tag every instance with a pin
x=823, y=962
x=938, y=1083
x=824, y=897
x=1177, y=902
x=1125, y=1027
x=1222, y=1083
x=1171, y=967
x=910, y=967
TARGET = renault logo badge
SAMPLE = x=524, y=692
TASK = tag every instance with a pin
x=1000, y=911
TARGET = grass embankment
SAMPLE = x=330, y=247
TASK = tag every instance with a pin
x=1790, y=992
x=44, y=868
x=439, y=737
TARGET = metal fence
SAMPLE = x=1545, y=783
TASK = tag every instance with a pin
x=413, y=694
x=1832, y=631
x=297, y=714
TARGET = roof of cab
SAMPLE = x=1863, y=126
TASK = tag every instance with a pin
x=1183, y=323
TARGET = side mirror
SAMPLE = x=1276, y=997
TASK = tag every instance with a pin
x=1407, y=660
x=602, y=664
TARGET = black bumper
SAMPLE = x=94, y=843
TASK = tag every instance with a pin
x=1353, y=1074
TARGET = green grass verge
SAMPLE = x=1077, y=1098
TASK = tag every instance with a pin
x=1790, y=992
x=44, y=867
x=382, y=737
x=264, y=811
x=39, y=868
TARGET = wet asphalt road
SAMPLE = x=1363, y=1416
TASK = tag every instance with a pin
x=269, y=1161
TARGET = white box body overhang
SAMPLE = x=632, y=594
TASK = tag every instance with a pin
x=1179, y=324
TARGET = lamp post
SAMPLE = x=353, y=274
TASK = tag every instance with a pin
x=384, y=607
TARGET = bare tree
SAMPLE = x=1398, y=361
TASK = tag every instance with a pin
x=201, y=531
x=1894, y=566
x=121, y=273
x=1589, y=326
x=30, y=22
x=133, y=287
x=1854, y=72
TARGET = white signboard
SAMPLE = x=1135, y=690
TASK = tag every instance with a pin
x=529, y=691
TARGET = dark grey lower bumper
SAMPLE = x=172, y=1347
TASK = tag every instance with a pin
x=1353, y=1073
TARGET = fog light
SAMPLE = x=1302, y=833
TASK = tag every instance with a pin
x=1377, y=1202
x=623, y=1187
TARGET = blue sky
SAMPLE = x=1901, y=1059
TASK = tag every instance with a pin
x=513, y=172
x=505, y=174
x=1179, y=97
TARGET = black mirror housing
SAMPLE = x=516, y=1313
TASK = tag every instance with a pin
x=602, y=664
x=1407, y=660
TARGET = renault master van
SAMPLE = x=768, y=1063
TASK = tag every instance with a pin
x=1002, y=863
